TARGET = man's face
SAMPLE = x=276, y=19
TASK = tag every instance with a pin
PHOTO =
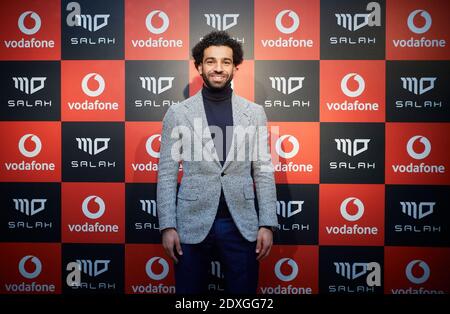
x=217, y=68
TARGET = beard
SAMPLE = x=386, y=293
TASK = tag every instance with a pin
x=217, y=86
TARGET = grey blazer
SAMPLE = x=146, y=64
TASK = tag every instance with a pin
x=193, y=209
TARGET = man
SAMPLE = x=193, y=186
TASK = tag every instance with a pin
x=215, y=204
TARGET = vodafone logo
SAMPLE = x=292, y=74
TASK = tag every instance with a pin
x=149, y=145
x=280, y=150
x=359, y=205
x=100, y=203
x=162, y=274
x=165, y=22
x=410, y=147
x=361, y=85
x=295, y=21
x=37, y=143
x=37, y=267
x=87, y=90
x=294, y=269
x=419, y=30
x=425, y=269
x=37, y=23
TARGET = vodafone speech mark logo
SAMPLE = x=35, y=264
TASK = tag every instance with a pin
x=37, y=267
x=410, y=147
x=425, y=269
x=295, y=21
x=280, y=150
x=37, y=23
x=359, y=212
x=425, y=15
x=149, y=22
x=37, y=143
x=87, y=90
x=165, y=268
x=149, y=145
x=100, y=203
x=294, y=269
x=361, y=85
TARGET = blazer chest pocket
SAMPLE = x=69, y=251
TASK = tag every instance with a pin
x=249, y=192
x=188, y=194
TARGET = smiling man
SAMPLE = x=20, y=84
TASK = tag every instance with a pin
x=214, y=208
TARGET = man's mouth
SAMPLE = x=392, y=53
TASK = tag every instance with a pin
x=217, y=78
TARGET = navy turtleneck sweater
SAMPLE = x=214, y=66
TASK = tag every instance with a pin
x=219, y=113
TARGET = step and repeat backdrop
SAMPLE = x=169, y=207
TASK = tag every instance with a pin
x=359, y=92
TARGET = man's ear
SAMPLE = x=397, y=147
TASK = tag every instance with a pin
x=200, y=69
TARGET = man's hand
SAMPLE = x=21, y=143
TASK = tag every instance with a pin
x=171, y=241
x=263, y=243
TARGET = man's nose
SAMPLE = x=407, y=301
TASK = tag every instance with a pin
x=219, y=67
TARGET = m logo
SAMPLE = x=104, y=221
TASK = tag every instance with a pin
x=29, y=86
x=280, y=150
x=425, y=271
x=294, y=269
x=359, y=20
x=149, y=22
x=87, y=90
x=286, y=86
x=149, y=145
x=93, y=147
x=37, y=267
x=155, y=85
x=293, y=208
x=93, y=268
x=412, y=152
x=37, y=143
x=350, y=148
x=417, y=212
x=361, y=85
x=149, y=206
x=100, y=204
x=216, y=269
x=295, y=21
x=221, y=22
x=360, y=209
x=425, y=15
x=355, y=270
x=418, y=86
x=86, y=21
x=28, y=208
x=164, y=265
x=37, y=23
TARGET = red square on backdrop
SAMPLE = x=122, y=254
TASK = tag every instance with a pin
x=352, y=91
x=31, y=30
x=30, y=268
x=417, y=153
x=31, y=151
x=351, y=214
x=417, y=30
x=93, y=90
x=93, y=212
x=281, y=26
x=295, y=151
x=290, y=269
x=157, y=30
x=148, y=270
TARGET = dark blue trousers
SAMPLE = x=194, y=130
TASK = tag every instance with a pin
x=236, y=255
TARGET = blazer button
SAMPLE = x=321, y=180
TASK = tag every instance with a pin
x=222, y=174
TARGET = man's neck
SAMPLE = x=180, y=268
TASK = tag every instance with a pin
x=215, y=94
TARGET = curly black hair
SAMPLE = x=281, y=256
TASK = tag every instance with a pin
x=217, y=38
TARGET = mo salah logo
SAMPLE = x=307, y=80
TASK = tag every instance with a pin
x=88, y=210
x=419, y=155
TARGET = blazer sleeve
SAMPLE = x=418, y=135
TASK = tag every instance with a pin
x=169, y=158
x=263, y=174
